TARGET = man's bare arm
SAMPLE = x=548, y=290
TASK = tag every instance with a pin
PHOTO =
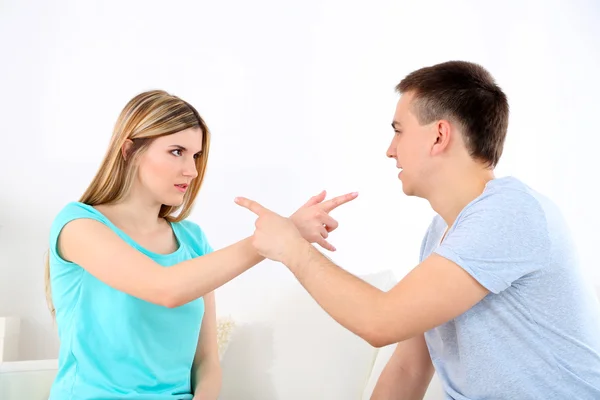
x=407, y=374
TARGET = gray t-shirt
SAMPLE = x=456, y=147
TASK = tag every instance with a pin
x=537, y=334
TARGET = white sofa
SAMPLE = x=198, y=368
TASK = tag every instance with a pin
x=25, y=380
x=301, y=353
x=296, y=352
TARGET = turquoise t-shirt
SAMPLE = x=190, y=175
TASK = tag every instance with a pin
x=116, y=346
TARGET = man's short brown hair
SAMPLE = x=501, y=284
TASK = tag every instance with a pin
x=467, y=94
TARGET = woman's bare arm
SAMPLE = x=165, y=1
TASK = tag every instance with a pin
x=100, y=251
x=206, y=370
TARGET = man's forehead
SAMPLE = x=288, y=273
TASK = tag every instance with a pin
x=400, y=110
x=403, y=107
x=405, y=100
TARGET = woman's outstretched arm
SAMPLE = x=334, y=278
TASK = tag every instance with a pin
x=100, y=251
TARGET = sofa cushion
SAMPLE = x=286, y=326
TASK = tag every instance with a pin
x=299, y=352
x=29, y=380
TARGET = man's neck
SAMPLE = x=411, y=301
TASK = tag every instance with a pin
x=457, y=188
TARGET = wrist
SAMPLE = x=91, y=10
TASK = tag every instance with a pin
x=298, y=255
x=257, y=256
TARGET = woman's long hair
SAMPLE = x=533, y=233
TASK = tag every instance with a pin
x=146, y=117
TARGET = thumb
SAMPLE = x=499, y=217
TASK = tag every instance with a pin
x=315, y=199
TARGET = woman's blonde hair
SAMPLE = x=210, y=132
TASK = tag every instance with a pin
x=147, y=116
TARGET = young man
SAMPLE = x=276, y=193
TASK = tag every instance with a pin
x=498, y=304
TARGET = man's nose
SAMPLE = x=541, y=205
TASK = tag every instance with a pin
x=391, y=151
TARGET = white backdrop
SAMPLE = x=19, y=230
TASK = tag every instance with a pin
x=299, y=98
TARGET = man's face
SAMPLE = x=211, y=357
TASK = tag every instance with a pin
x=411, y=147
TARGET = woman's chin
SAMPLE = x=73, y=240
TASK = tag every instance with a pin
x=173, y=202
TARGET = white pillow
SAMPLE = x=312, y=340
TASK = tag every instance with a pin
x=299, y=352
x=225, y=329
x=381, y=359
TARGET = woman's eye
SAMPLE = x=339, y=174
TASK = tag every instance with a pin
x=197, y=156
x=176, y=153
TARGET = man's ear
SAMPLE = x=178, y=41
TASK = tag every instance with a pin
x=442, y=137
x=126, y=148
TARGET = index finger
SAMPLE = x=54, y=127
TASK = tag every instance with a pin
x=250, y=205
x=331, y=204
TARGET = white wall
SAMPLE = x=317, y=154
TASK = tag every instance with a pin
x=299, y=97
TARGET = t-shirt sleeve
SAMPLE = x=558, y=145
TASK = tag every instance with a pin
x=203, y=241
x=70, y=212
x=198, y=238
x=498, y=239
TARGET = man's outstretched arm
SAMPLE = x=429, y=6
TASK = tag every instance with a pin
x=434, y=292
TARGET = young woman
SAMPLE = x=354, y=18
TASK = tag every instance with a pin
x=130, y=280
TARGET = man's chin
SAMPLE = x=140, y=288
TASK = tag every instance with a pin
x=409, y=191
x=406, y=188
